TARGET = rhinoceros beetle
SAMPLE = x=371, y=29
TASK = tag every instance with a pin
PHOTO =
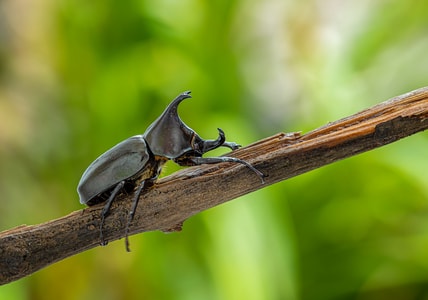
x=136, y=162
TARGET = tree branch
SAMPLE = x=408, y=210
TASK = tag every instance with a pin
x=26, y=249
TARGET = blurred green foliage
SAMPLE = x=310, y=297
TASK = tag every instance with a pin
x=76, y=77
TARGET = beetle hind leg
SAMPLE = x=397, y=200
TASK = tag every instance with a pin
x=106, y=209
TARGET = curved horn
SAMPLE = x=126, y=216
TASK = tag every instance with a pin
x=168, y=136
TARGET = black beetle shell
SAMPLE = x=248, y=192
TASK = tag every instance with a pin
x=124, y=161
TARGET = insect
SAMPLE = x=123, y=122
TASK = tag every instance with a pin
x=136, y=162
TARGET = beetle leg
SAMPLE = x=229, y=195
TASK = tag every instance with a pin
x=132, y=213
x=216, y=160
x=141, y=187
x=106, y=209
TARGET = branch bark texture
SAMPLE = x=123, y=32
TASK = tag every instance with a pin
x=173, y=199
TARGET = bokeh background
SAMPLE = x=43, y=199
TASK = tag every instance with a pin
x=77, y=77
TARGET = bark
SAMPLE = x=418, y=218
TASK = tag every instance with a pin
x=173, y=199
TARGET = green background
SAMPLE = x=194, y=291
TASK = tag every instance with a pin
x=77, y=77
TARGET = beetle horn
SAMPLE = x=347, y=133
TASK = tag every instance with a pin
x=168, y=136
x=172, y=107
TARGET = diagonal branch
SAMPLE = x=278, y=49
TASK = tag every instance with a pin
x=26, y=249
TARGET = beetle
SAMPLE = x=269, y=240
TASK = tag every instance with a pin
x=136, y=162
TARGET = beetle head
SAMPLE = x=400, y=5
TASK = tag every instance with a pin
x=168, y=136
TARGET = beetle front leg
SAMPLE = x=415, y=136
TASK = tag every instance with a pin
x=216, y=160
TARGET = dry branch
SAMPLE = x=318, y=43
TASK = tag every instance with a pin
x=26, y=249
